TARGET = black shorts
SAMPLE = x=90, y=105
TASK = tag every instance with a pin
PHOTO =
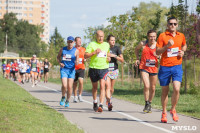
x=13, y=72
x=22, y=73
x=150, y=74
x=80, y=73
x=97, y=74
x=46, y=70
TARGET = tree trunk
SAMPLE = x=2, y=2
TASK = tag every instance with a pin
x=185, y=71
x=122, y=68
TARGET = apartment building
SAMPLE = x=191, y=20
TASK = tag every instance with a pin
x=34, y=11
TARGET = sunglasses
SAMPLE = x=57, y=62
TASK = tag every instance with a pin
x=173, y=24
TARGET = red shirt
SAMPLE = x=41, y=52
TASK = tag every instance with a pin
x=81, y=59
x=149, y=61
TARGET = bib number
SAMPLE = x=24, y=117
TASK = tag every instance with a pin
x=67, y=57
x=102, y=54
x=80, y=60
x=150, y=63
x=172, y=52
x=111, y=66
x=46, y=66
x=7, y=68
x=33, y=69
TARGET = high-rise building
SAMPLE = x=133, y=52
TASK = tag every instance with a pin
x=34, y=11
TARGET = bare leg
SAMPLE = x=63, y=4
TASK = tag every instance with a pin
x=145, y=79
x=164, y=98
x=175, y=95
x=152, y=88
x=69, y=88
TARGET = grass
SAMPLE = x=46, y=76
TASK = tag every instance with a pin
x=188, y=104
x=22, y=113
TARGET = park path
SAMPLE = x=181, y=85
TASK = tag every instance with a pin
x=126, y=117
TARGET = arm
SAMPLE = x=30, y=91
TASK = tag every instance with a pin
x=137, y=53
x=59, y=58
x=88, y=55
x=163, y=49
x=77, y=57
x=183, y=49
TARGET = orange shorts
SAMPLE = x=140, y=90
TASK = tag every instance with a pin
x=34, y=73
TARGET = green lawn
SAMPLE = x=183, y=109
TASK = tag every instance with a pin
x=188, y=104
x=21, y=112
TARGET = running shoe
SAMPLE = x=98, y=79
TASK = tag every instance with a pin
x=62, y=101
x=36, y=82
x=95, y=107
x=110, y=106
x=164, y=118
x=145, y=107
x=80, y=98
x=174, y=115
x=100, y=109
x=67, y=104
x=75, y=99
x=33, y=85
x=148, y=108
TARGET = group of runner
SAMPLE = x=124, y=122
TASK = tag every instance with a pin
x=23, y=70
x=103, y=67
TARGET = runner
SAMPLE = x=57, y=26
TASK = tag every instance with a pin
x=28, y=71
x=171, y=44
x=4, y=69
x=34, y=70
x=80, y=70
x=41, y=71
x=148, y=67
x=47, y=66
x=8, y=66
x=98, y=51
x=116, y=55
x=22, y=69
x=67, y=58
x=15, y=70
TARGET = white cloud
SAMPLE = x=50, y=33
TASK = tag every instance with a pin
x=83, y=16
x=106, y=23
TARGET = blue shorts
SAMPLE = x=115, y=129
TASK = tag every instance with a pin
x=67, y=73
x=166, y=73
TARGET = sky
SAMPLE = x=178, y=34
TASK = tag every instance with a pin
x=71, y=17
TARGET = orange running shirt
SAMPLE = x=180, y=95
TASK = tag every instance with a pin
x=149, y=61
x=8, y=66
x=169, y=57
x=81, y=59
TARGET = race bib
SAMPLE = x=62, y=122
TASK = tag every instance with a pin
x=80, y=60
x=102, y=54
x=172, y=52
x=7, y=68
x=28, y=67
x=150, y=63
x=13, y=69
x=111, y=66
x=46, y=66
x=67, y=57
x=33, y=69
x=16, y=67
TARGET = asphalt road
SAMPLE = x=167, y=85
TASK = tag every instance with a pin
x=126, y=117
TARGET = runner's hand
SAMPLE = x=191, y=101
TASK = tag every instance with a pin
x=180, y=53
x=170, y=43
x=62, y=65
x=108, y=59
x=137, y=62
x=113, y=55
x=97, y=51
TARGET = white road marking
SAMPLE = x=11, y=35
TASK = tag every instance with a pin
x=124, y=114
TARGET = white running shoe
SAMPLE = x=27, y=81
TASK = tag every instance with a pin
x=36, y=82
x=80, y=98
x=33, y=85
x=75, y=99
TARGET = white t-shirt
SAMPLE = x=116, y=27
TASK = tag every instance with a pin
x=23, y=67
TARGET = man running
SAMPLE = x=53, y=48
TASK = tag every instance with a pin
x=28, y=71
x=171, y=44
x=116, y=55
x=15, y=69
x=8, y=67
x=148, y=67
x=80, y=70
x=34, y=70
x=67, y=58
x=22, y=69
x=98, y=51
x=47, y=66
